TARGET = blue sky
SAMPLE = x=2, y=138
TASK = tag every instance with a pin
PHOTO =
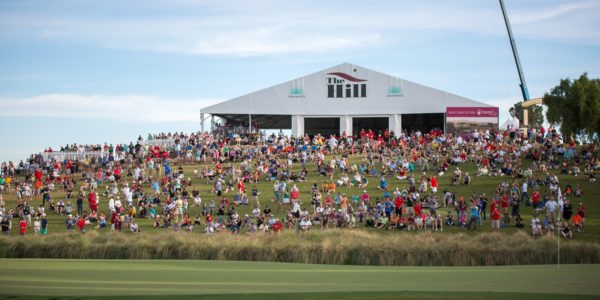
x=95, y=71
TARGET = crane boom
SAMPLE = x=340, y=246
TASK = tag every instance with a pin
x=513, y=45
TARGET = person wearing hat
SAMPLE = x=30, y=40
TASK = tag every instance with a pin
x=344, y=203
x=365, y=197
x=277, y=226
x=70, y=222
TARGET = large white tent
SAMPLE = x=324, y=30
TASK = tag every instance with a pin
x=343, y=98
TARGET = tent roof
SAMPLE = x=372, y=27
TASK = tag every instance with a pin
x=307, y=95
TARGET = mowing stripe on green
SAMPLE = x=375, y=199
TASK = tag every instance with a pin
x=166, y=277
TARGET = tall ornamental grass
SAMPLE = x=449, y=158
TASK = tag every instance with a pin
x=343, y=247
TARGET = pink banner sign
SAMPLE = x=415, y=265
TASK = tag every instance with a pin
x=471, y=112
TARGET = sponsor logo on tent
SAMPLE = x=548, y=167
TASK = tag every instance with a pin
x=395, y=91
x=297, y=90
x=296, y=93
x=342, y=85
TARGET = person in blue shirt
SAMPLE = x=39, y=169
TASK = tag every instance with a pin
x=386, y=194
x=383, y=183
x=373, y=172
x=474, y=213
x=389, y=207
x=167, y=169
x=379, y=207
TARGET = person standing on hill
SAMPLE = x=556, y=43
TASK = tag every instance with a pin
x=474, y=213
x=5, y=224
x=93, y=201
x=255, y=194
x=44, y=225
x=80, y=203
x=524, y=195
x=22, y=226
x=434, y=184
x=496, y=219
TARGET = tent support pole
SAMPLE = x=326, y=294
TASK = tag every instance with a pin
x=202, y=122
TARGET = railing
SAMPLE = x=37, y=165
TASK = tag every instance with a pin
x=159, y=142
x=60, y=156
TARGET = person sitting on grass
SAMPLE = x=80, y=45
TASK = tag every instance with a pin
x=383, y=184
x=427, y=220
x=81, y=224
x=548, y=225
x=277, y=227
x=449, y=219
x=519, y=222
x=394, y=219
x=187, y=222
x=402, y=222
x=536, y=227
x=70, y=222
x=370, y=220
x=381, y=222
x=102, y=221
x=410, y=222
x=133, y=226
x=438, y=223
x=566, y=230
x=419, y=221
x=305, y=224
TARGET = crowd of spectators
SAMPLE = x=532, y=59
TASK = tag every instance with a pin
x=146, y=180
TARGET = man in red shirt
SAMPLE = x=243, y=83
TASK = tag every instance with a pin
x=38, y=174
x=417, y=208
x=117, y=174
x=434, y=184
x=365, y=197
x=294, y=194
x=504, y=203
x=399, y=204
x=496, y=219
x=535, y=198
x=493, y=204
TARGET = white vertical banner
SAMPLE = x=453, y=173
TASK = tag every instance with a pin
x=560, y=201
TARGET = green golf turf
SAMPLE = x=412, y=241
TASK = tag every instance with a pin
x=120, y=278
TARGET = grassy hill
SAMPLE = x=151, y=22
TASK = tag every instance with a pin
x=479, y=185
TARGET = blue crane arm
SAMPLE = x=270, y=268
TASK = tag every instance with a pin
x=513, y=45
